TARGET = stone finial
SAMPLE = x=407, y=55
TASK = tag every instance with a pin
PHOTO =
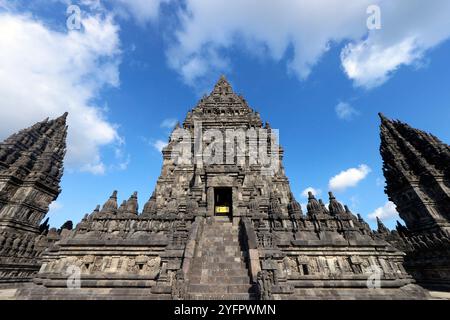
x=361, y=219
x=381, y=227
x=294, y=207
x=44, y=227
x=335, y=206
x=323, y=207
x=401, y=229
x=123, y=206
x=62, y=118
x=68, y=225
x=222, y=87
x=132, y=204
x=382, y=117
x=313, y=205
x=111, y=203
x=94, y=213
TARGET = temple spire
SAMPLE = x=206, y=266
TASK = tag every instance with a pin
x=111, y=203
x=222, y=87
x=411, y=155
x=132, y=204
x=383, y=118
x=335, y=206
x=381, y=227
x=313, y=205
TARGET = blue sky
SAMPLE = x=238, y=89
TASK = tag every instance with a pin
x=311, y=68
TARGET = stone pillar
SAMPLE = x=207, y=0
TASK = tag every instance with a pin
x=210, y=201
x=236, y=213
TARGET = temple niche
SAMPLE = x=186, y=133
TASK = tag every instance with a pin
x=222, y=223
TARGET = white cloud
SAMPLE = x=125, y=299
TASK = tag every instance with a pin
x=55, y=206
x=348, y=178
x=142, y=11
x=387, y=211
x=345, y=111
x=44, y=73
x=261, y=27
x=159, y=145
x=98, y=168
x=169, y=123
x=370, y=65
x=208, y=30
x=409, y=29
x=4, y=4
x=316, y=192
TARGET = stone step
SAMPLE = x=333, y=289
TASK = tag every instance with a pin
x=229, y=247
x=218, y=273
x=219, y=279
x=220, y=241
x=220, y=238
x=217, y=235
x=221, y=259
x=235, y=247
x=225, y=219
x=200, y=263
x=208, y=270
x=220, y=244
x=223, y=227
x=218, y=224
x=205, y=257
x=214, y=252
x=234, y=296
x=7, y=294
x=220, y=254
x=220, y=289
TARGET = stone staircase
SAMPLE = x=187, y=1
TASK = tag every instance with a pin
x=219, y=270
x=7, y=294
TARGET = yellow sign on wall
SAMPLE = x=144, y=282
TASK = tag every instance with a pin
x=222, y=209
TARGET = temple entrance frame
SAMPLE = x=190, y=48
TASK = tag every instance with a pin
x=223, y=201
x=217, y=181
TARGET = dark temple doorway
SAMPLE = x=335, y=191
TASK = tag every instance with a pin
x=223, y=203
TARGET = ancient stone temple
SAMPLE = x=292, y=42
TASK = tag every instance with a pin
x=31, y=166
x=222, y=223
x=417, y=171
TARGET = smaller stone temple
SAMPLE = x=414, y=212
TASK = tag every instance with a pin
x=222, y=224
x=31, y=166
x=416, y=166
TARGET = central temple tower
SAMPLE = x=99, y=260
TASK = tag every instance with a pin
x=222, y=161
x=222, y=223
